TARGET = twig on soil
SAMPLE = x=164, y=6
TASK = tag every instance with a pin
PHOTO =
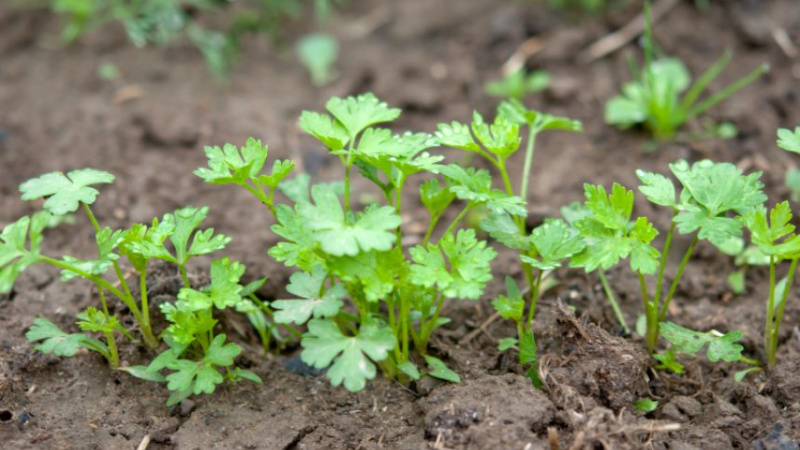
x=528, y=48
x=145, y=442
x=784, y=42
x=616, y=40
x=472, y=334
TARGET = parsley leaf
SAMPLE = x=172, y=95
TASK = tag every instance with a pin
x=788, y=140
x=308, y=286
x=776, y=238
x=326, y=129
x=232, y=165
x=20, y=244
x=372, y=230
x=554, y=241
x=720, y=346
x=357, y=113
x=65, y=193
x=325, y=342
x=300, y=249
x=53, y=339
x=223, y=292
x=466, y=271
x=475, y=186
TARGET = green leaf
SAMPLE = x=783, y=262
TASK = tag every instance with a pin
x=223, y=292
x=318, y=52
x=645, y=405
x=434, y=197
x=736, y=281
x=65, y=193
x=143, y=372
x=466, y=271
x=230, y=165
x=518, y=83
x=509, y=308
x=657, y=188
x=740, y=375
x=719, y=187
x=372, y=230
x=506, y=344
x=20, y=244
x=605, y=247
x=553, y=241
x=515, y=112
x=357, y=113
x=501, y=138
x=502, y=228
x=309, y=286
x=409, y=369
x=280, y=170
x=612, y=210
x=788, y=140
x=91, y=266
x=326, y=129
x=132, y=242
x=54, y=341
x=202, y=376
x=776, y=237
x=96, y=321
x=185, y=324
x=669, y=361
x=440, y=370
x=527, y=349
x=720, y=346
x=375, y=272
x=300, y=249
x=475, y=186
x=457, y=135
x=324, y=342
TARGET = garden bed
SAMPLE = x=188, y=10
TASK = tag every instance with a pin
x=430, y=58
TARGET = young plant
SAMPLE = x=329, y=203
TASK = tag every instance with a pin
x=364, y=301
x=654, y=99
x=774, y=235
x=518, y=84
x=790, y=141
x=547, y=245
x=711, y=192
x=318, y=52
x=195, y=354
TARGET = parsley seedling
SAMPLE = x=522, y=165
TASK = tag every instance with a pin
x=547, y=245
x=518, y=84
x=365, y=301
x=653, y=98
x=711, y=192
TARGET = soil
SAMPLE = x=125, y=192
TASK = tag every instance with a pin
x=431, y=58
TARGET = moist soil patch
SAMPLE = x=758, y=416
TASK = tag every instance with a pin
x=431, y=58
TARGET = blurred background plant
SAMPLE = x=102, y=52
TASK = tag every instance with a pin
x=162, y=22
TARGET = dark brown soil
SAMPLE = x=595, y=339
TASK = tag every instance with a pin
x=431, y=58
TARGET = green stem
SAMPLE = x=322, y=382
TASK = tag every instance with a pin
x=147, y=331
x=651, y=316
x=404, y=313
x=348, y=164
x=534, y=299
x=613, y=300
x=769, y=319
x=779, y=314
x=665, y=307
x=663, y=263
x=526, y=168
x=429, y=326
x=117, y=270
x=113, y=360
x=431, y=227
x=184, y=276
x=457, y=220
x=398, y=211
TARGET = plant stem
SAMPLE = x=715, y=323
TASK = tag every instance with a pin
x=145, y=327
x=430, y=325
x=779, y=314
x=457, y=220
x=665, y=307
x=651, y=316
x=769, y=319
x=398, y=210
x=663, y=263
x=431, y=227
x=110, y=339
x=534, y=299
x=117, y=270
x=404, y=313
x=184, y=276
x=526, y=168
x=613, y=300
